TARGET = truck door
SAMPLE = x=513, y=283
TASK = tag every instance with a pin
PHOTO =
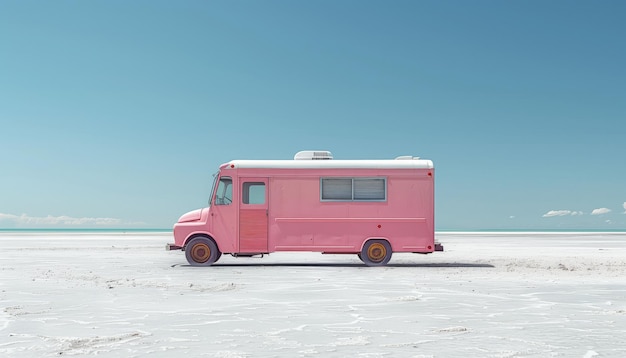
x=224, y=215
x=253, y=215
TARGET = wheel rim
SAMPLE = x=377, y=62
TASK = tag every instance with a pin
x=376, y=252
x=200, y=252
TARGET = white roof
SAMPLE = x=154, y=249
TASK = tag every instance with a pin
x=334, y=164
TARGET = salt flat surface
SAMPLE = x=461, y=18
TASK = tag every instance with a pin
x=487, y=295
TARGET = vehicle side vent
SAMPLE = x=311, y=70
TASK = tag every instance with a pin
x=313, y=155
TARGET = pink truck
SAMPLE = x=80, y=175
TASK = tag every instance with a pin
x=370, y=208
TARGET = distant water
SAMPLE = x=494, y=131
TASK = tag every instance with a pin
x=82, y=230
x=532, y=230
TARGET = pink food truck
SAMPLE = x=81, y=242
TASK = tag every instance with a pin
x=371, y=208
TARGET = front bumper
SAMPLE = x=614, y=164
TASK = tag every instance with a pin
x=170, y=247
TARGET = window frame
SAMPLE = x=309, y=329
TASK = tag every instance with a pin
x=246, y=190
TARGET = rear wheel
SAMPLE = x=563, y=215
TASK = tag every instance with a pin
x=376, y=253
x=202, y=251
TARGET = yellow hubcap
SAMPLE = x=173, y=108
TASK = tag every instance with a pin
x=376, y=252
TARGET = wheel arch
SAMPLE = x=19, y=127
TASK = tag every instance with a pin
x=200, y=234
x=375, y=238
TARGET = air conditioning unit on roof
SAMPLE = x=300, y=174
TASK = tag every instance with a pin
x=313, y=155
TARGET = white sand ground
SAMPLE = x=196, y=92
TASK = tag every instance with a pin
x=487, y=295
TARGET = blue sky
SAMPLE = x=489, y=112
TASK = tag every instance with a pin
x=116, y=113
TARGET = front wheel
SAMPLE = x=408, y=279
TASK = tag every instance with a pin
x=202, y=251
x=375, y=253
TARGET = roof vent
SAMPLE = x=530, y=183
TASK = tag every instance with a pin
x=406, y=157
x=313, y=155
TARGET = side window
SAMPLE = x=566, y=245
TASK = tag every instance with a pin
x=336, y=189
x=253, y=193
x=224, y=192
x=353, y=189
x=369, y=189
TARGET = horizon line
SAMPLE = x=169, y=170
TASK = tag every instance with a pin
x=76, y=229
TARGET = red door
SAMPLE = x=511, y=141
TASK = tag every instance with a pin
x=253, y=215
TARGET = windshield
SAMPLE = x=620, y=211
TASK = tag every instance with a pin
x=224, y=192
x=215, y=176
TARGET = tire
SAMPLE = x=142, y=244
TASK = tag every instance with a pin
x=202, y=251
x=376, y=253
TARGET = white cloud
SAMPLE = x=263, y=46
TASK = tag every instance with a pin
x=600, y=211
x=59, y=220
x=552, y=213
x=625, y=207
